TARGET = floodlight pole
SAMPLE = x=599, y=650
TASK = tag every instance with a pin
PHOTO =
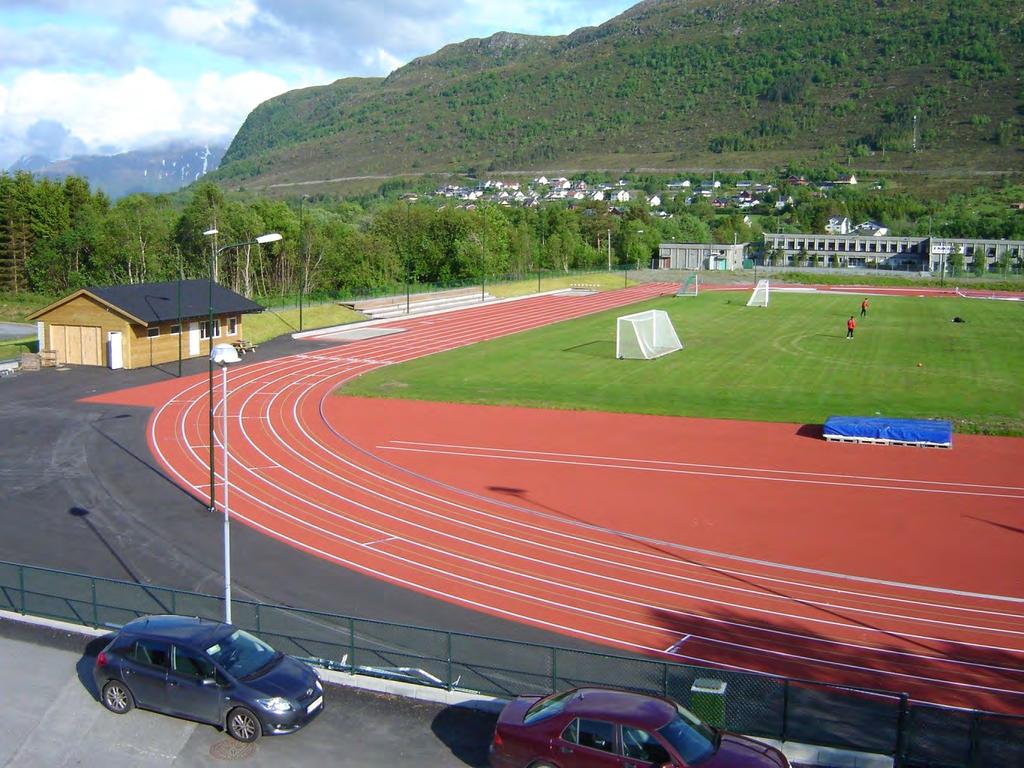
x=302, y=236
x=214, y=252
x=227, y=516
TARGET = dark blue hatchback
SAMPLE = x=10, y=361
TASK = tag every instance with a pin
x=207, y=671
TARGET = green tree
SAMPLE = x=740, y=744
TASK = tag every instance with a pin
x=979, y=262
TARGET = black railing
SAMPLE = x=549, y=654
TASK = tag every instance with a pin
x=915, y=735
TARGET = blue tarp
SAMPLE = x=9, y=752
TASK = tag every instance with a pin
x=930, y=431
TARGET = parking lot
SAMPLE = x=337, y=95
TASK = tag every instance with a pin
x=53, y=718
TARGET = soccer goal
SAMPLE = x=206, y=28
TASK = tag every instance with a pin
x=690, y=286
x=759, y=298
x=645, y=335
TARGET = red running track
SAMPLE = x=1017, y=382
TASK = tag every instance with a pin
x=733, y=544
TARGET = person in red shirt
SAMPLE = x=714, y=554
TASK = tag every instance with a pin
x=850, y=325
x=864, y=308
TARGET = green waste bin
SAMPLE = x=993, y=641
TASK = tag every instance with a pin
x=707, y=700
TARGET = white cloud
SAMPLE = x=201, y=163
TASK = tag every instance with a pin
x=218, y=105
x=209, y=25
x=131, y=111
x=97, y=109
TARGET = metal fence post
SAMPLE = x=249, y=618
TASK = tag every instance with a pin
x=258, y=630
x=448, y=652
x=352, y=644
x=95, y=614
x=973, y=753
x=21, y=587
x=785, y=708
x=901, y=732
x=664, y=678
x=554, y=670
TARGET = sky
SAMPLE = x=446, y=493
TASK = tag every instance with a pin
x=109, y=76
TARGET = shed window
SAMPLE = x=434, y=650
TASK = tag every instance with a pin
x=232, y=326
x=204, y=329
x=152, y=332
x=175, y=329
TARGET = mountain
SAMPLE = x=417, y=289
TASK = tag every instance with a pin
x=162, y=169
x=929, y=84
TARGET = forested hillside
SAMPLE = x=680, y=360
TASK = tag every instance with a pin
x=674, y=83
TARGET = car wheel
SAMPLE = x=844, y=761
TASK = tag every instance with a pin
x=116, y=697
x=243, y=725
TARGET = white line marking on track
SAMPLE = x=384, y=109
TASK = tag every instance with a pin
x=706, y=466
x=384, y=540
x=733, y=475
x=677, y=644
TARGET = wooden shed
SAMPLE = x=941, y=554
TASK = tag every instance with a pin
x=134, y=326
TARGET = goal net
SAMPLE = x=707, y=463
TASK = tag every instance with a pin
x=690, y=286
x=645, y=335
x=759, y=298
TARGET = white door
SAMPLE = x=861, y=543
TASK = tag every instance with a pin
x=115, y=353
x=193, y=339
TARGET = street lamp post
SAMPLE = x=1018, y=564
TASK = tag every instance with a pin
x=222, y=359
x=305, y=257
x=224, y=355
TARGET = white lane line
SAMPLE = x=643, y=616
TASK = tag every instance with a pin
x=677, y=644
x=727, y=467
x=383, y=540
x=737, y=475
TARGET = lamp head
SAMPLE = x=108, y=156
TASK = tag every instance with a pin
x=272, y=237
x=209, y=232
x=224, y=354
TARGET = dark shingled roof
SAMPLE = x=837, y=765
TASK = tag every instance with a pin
x=158, y=302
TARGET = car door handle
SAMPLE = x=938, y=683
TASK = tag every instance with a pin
x=566, y=750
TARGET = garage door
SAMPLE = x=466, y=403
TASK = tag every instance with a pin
x=76, y=344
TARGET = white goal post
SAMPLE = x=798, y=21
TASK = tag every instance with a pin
x=645, y=335
x=759, y=298
x=690, y=286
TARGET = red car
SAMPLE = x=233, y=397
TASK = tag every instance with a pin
x=598, y=727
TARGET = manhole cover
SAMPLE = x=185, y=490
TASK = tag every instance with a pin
x=229, y=749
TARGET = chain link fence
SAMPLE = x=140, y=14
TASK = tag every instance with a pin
x=916, y=735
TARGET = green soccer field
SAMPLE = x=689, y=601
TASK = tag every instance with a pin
x=788, y=362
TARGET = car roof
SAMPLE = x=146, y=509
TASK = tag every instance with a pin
x=183, y=629
x=627, y=707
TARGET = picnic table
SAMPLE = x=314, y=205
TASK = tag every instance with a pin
x=244, y=346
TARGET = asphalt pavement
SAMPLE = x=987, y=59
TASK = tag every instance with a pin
x=53, y=718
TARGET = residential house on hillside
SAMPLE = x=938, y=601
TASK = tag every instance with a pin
x=838, y=225
x=871, y=228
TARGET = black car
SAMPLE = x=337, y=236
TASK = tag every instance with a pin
x=207, y=671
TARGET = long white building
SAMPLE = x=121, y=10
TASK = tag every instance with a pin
x=922, y=254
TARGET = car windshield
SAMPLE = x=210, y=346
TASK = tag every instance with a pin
x=692, y=739
x=547, y=707
x=241, y=654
